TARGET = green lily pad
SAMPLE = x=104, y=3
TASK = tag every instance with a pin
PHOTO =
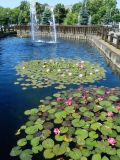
x=16, y=151
x=37, y=149
x=82, y=133
x=26, y=155
x=22, y=142
x=75, y=154
x=96, y=157
x=35, y=141
x=63, y=129
x=48, y=154
x=48, y=143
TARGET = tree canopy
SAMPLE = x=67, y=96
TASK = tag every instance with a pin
x=101, y=12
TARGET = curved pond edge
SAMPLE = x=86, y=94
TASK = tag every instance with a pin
x=109, y=51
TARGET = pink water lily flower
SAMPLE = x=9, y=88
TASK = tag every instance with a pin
x=100, y=98
x=110, y=114
x=59, y=99
x=118, y=108
x=87, y=91
x=111, y=141
x=68, y=102
x=56, y=131
x=108, y=92
x=113, y=89
x=81, y=66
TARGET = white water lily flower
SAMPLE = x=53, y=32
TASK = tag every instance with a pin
x=96, y=70
x=80, y=75
x=59, y=70
x=44, y=66
x=48, y=70
x=23, y=68
x=82, y=61
x=51, y=60
x=70, y=74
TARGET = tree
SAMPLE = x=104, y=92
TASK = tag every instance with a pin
x=100, y=10
x=71, y=18
x=76, y=8
x=39, y=10
x=116, y=17
x=46, y=17
x=84, y=16
x=25, y=12
x=60, y=13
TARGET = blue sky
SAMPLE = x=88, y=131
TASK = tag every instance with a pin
x=14, y=3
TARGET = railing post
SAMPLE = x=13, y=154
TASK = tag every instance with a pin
x=118, y=42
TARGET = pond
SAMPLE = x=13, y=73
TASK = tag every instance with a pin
x=14, y=101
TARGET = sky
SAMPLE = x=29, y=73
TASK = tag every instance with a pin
x=14, y=3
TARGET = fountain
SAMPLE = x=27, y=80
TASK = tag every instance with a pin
x=33, y=22
x=49, y=19
x=90, y=20
x=19, y=23
x=79, y=19
x=53, y=27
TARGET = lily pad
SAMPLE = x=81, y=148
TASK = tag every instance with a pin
x=15, y=151
x=48, y=143
x=43, y=73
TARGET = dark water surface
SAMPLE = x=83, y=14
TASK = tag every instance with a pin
x=13, y=100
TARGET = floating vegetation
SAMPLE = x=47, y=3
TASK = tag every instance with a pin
x=78, y=124
x=44, y=73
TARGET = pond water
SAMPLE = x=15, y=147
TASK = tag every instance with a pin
x=13, y=100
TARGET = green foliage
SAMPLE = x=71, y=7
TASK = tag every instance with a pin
x=77, y=132
x=101, y=11
x=71, y=18
x=60, y=13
